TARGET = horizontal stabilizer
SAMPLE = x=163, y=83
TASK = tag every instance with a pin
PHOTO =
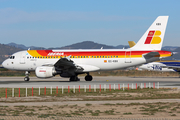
x=150, y=55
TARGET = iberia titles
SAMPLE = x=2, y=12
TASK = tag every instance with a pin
x=55, y=54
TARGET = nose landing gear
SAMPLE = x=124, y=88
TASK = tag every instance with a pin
x=27, y=76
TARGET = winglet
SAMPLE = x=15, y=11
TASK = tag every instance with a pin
x=68, y=58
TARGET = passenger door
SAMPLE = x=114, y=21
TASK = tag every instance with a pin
x=22, y=58
x=127, y=56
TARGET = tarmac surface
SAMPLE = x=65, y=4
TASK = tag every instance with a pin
x=104, y=81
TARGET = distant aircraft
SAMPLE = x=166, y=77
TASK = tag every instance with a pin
x=163, y=66
x=71, y=63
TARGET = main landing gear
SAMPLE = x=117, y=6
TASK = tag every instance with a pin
x=74, y=78
x=88, y=77
x=27, y=76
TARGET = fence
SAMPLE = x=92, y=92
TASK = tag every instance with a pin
x=25, y=92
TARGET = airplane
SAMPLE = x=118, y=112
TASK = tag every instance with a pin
x=71, y=63
x=162, y=66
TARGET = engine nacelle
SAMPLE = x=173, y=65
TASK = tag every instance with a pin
x=45, y=72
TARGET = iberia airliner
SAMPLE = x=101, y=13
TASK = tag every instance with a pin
x=71, y=63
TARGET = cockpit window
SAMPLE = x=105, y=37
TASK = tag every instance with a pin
x=12, y=57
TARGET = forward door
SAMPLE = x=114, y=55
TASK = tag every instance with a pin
x=22, y=58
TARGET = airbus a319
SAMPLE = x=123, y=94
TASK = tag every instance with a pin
x=71, y=63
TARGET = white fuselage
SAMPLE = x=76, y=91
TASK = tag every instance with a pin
x=24, y=61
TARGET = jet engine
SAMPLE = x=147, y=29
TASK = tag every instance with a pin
x=45, y=72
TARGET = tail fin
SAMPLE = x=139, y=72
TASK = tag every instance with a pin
x=153, y=37
x=131, y=44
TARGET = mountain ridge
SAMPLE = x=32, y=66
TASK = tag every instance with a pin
x=79, y=45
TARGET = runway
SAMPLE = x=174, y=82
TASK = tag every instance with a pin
x=18, y=82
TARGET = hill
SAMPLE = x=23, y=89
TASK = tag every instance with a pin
x=90, y=45
x=23, y=47
x=6, y=51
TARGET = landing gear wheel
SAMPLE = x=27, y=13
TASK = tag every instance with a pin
x=74, y=78
x=88, y=78
x=26, y=79
x=27, y=76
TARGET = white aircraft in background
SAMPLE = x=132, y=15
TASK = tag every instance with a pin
x=163, y=66
x=71, y=63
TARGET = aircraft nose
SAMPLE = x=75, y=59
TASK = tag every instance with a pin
x=5, y=64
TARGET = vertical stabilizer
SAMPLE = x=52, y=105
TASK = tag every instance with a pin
x=131, y=44
x=154, y=36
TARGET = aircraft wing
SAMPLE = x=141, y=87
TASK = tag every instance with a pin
x=151, y=54
x=66, y=63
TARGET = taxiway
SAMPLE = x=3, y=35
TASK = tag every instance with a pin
x=16, y=82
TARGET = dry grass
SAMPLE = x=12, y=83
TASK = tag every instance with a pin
x=89, y=108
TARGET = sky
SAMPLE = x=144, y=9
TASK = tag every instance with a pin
x=57, y=23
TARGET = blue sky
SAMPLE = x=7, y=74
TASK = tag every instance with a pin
x=57, y=23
